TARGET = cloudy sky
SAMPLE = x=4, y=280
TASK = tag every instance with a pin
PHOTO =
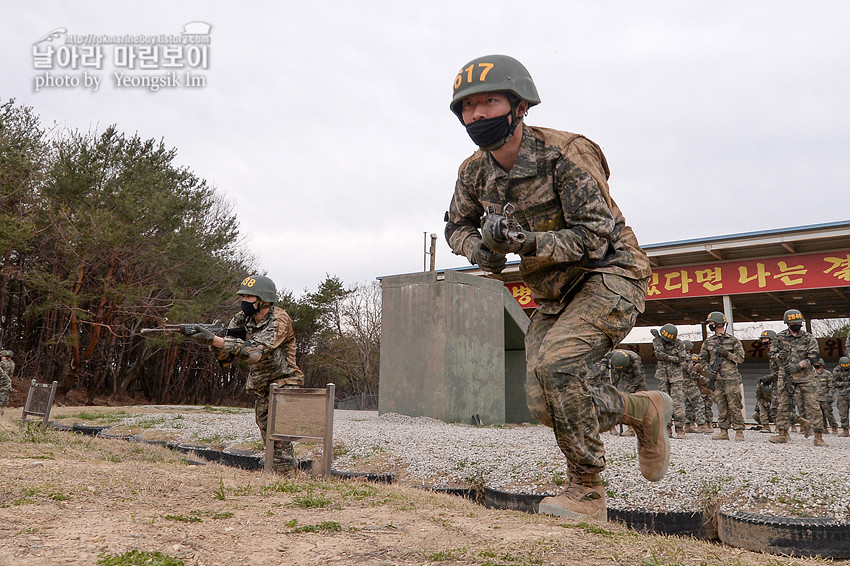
x=326, y=123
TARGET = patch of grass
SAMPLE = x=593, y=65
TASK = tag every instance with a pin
x=213, y=438
x=58, y=496
x=138, y=558
x=311, y=500
x=558, y=478
x=101, y=418
x=448, y=554
x=592, y=529
x=184, y=519
x=323, y=527
x=284, y=487
x=150, y=422
x=220, y=493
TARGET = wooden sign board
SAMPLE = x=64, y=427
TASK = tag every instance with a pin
x=301, y=414
x=39, y=402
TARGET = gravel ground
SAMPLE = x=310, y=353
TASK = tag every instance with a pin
x=793, y=480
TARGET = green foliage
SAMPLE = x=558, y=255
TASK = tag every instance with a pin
x=219, y=493
x=184, y=518
x=323, y=527
x=138, y=558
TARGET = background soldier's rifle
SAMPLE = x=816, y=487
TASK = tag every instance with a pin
x=188, y=328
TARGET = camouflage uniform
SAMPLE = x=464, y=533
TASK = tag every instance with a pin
x=269, y=350
x=588, y=276
x=632, y=376
x=672, y=357
x=727, y=380
x=694, y=406
x=764, y=396
x=796, y=350
x=826, y=391
x=707, y=394
x=7, y=368
x=841, y=380
x=601, y=371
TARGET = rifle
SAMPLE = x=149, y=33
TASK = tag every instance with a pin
x=506, y=227
x=187, y=328
x=782, y=356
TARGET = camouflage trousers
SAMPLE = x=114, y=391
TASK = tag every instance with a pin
x=708, y=402
x=4, y=397
x=284, y=454
x=560, y=350
x=675, y=389
x=844, y=410
x=764, y=414
x=808, y=406
x=827, y=416
x=727, y=395
x=694, y=406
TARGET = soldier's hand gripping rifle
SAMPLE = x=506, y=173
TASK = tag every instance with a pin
x=188, y=329
x=502, y=234
x=783, y=356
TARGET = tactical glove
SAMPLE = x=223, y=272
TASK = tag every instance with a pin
x=662, y=356
x=487, y=260
x=200, y=334
x=722, y=353
x=523, y=243
x=789, y=369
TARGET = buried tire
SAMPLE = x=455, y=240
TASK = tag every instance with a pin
x=819, y=536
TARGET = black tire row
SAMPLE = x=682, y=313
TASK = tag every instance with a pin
x=797, y=536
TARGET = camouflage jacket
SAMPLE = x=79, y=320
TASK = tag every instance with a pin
x=7, y=368
x=559, y=185
x=268, y=348
x=728, y=366
x=826, y=388
x=841, y=381
x=672, y=358
x=800, y=351
x=632, y=376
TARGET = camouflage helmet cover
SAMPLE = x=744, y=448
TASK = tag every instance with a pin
x=259, y=286
x=793, y=316
x=844, y=362
x=493, y=73
x=769, y=334
x=619, y=359
x=716, y=317
x=669, y=332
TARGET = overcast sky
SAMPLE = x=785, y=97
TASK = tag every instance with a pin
x=326, y=123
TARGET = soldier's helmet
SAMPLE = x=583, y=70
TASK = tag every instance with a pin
x=793, y=316
x=819, y=362
x=769, y=334
x=260, y=286
x=844, y=362
x=6, y=353
x=716, y=317
x=695, y=357
x=688, y=345
x=493, y=73
x=669, y=332
x=619, y=359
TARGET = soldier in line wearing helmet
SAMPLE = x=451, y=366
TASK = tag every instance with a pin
x=720, y=355
x=582, y=263
x=797, y=352
x=707, y=394
x=826, y=391
x=268, y=349
x=7, y=368
x=627, y=368
x=765, y=412
x=694, y=406
x=669, y=372
x=841, y=379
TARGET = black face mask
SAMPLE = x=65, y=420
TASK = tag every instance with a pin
x=795, y=327
x=250, y=309
x=491, y=133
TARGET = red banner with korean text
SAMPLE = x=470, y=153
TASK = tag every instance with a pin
x=809, y=271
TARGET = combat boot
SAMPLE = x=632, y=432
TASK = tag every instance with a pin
x=705, y=427
x=818, y=441
x=780, y=438
x=649, y=413
x=739, y=435
x=793, y=428
x=680, y=432
x=834, y=430
x=584, y=498
x=845, y=432
x=806, y=427
x=690, y=428
x=669, y=432
x=722, y=435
